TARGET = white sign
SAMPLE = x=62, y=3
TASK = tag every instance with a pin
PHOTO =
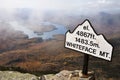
x=84, y=39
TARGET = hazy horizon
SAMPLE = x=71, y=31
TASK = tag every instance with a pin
x=69, y=13
x=84, y=6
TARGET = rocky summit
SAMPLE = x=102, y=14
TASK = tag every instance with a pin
x=63, y=75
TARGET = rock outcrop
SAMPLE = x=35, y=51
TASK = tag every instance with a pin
x=63, y=75
x=69, y=75
x=13, y=75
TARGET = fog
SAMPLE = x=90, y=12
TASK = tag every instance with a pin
x=104, y=14
x=68, y=5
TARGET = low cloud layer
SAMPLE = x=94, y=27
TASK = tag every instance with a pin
x=68, y=5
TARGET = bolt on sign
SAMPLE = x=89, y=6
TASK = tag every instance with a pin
x=84, y=39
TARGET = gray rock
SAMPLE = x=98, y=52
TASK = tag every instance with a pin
x=13, y=75
x=69, y=75
x=63, y=75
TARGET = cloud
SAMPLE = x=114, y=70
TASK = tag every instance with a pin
x=102, y=1
x=68, y=5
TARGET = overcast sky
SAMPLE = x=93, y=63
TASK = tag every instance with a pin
x=62, y=4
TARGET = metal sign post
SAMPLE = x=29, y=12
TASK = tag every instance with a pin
x=85, y=64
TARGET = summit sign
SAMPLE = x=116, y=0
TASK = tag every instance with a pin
x=84, y=39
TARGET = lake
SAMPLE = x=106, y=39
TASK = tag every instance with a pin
x=60, y=29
